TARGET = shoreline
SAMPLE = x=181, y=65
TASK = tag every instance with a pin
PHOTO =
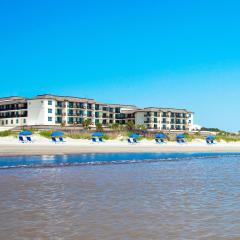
x=8, y=150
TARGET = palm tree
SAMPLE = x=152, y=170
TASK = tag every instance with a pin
x=87, y=123
x=141, y=127
x=130, y=126
x=99, y=127
x=115, y=126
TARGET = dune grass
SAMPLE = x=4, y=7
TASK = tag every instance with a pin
x=78, y=136
x=46, y=134
x=7, y=133
x=122, y=136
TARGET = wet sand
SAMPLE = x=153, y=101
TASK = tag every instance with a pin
x=56, y=149
x=183, y=199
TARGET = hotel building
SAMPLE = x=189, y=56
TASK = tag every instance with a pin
x=50, y=110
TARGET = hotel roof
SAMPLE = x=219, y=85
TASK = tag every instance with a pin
x=165, y=110
x=12, y=99
x=78, y=99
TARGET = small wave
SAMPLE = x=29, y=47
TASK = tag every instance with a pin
x=70, y=163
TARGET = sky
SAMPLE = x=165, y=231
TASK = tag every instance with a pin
x=182, y=54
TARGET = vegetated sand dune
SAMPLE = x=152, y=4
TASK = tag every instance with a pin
x=10, y=146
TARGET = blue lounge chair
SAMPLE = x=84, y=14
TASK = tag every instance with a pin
x=20, y=138
x=129, y=140
x=180, y=141
x=94, y=140
x=54, y=139
x=61, y=140
x=161, y=140
x=29, y=139
x=101, y=140
x=156, y=140
x=209, y=141
x=135, y=140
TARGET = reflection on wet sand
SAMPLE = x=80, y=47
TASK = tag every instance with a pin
x=196, y=199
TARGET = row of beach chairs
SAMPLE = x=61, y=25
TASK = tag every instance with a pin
x=27, y=140
x=61, y=140
x=97, y=140
x=100, y=140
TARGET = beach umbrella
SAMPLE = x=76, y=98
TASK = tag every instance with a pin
x=57, y=134
x=180, y=136
x=98, y=134
x=25, y=133
x=210, y=138
x=134, y=135
x=160, y=135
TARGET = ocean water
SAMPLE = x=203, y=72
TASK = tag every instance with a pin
x=120, y=196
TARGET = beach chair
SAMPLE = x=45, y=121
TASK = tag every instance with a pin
x=183, y=141
x=20, y=138
x=94, y=140
x=54, y=140
x=130, y=141
x=208, y=141
x=29, y=139
x=135, y=140
x=61, y=140
x=156, y=140
x=101, y=140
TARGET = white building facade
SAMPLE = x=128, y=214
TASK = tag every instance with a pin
x=50, y=110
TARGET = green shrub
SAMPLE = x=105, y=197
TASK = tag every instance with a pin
x=7, y=133
x=110, y=136
x=46, y=134
x=228, y=138
x=78, y=136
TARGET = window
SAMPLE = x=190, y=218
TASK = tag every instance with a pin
x=59, y=104
x=50, y=119
x=59, y=120
x=11, y=121
x=59, y=111
x=24, y=121
x=70, y=104
x=6, y=121
x=49, y=110
x=70, y=112
x=70, y=120
x=49, y=102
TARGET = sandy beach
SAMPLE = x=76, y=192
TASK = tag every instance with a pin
x=10, y=146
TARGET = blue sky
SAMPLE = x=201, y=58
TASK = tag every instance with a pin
x=182, y=54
